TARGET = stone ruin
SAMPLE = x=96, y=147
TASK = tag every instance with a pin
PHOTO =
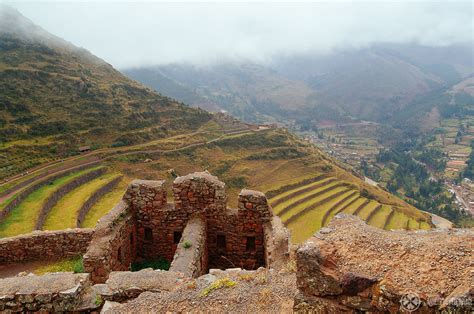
x=347, y=267
x=196, y=232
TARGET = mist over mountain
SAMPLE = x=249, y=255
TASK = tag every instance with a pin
x=373, y=83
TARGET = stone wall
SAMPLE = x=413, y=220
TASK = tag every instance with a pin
x=113, y=246
x=277, y=243
x=157, y=222
x=44, y=245
x=56, y=292
x=351, y=267
x=191, y=254
x=228, y=230
x=145, y=227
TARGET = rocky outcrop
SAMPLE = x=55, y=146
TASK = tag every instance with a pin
x=351, y=267
x=125, y=285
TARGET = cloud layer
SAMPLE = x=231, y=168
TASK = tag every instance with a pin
x=132, y=34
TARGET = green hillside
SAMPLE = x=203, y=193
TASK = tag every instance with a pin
x=56, y=97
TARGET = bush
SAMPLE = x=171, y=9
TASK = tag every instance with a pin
x=160, y=263
x=187, y=244
x=78, y=266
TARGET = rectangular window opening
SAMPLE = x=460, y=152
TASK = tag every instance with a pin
x=177, y=236
x=221, y=243
x=119, y=255
x=250, y=244
x=148, y=234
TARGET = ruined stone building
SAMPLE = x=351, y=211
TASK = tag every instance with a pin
x=347, y=267
x=197, y=231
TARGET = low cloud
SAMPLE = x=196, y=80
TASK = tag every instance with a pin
x=145, y=33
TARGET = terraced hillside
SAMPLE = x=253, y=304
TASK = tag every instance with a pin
x=308, y=205
x=56, y=97
x=306, y=188
x=55, y=202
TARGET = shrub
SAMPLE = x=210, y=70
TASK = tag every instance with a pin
x=218, y=284
x=78, y=266
x=160, y=263
x=187, y=244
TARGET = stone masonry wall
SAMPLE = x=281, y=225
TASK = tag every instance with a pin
x=145, y=227
x=44, y=245
x=228, y=230
x=55, y=292
x=156, y=220
x=190, y=257
x=113, y=246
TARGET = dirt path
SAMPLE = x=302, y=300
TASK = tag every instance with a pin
x=14, y=269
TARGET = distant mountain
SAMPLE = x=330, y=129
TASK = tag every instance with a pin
x=249, y=91
x=49, y=87
x=372, y=83
x=425, y=111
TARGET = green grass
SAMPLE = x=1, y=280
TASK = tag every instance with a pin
x=397, y=222
x=379, y=218
x=295, y=209
x=64, y=214
x=337, y=207
x=280, y=207
x=307, y=224
x=365, y=212
x=104, y=205
x=159, y=263
x=74, y=264
x=424, y=226
x=298, y=189
x=218, y=284
x=351, y=209
x=22, y=219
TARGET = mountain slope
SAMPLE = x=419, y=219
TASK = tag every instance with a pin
x=249, y=91
x=372, y=83
x=56, y=97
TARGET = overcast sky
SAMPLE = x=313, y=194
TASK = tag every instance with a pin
x=141, y=33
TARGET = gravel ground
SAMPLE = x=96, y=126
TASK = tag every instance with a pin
x=261, y=291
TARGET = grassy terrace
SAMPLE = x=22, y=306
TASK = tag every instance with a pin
x=105, y=204
x=22, y=218
x=279, y=208
x=379, y=218
x=64, y=214
x=307, y=224
x=328, y=192
x=305, y=208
